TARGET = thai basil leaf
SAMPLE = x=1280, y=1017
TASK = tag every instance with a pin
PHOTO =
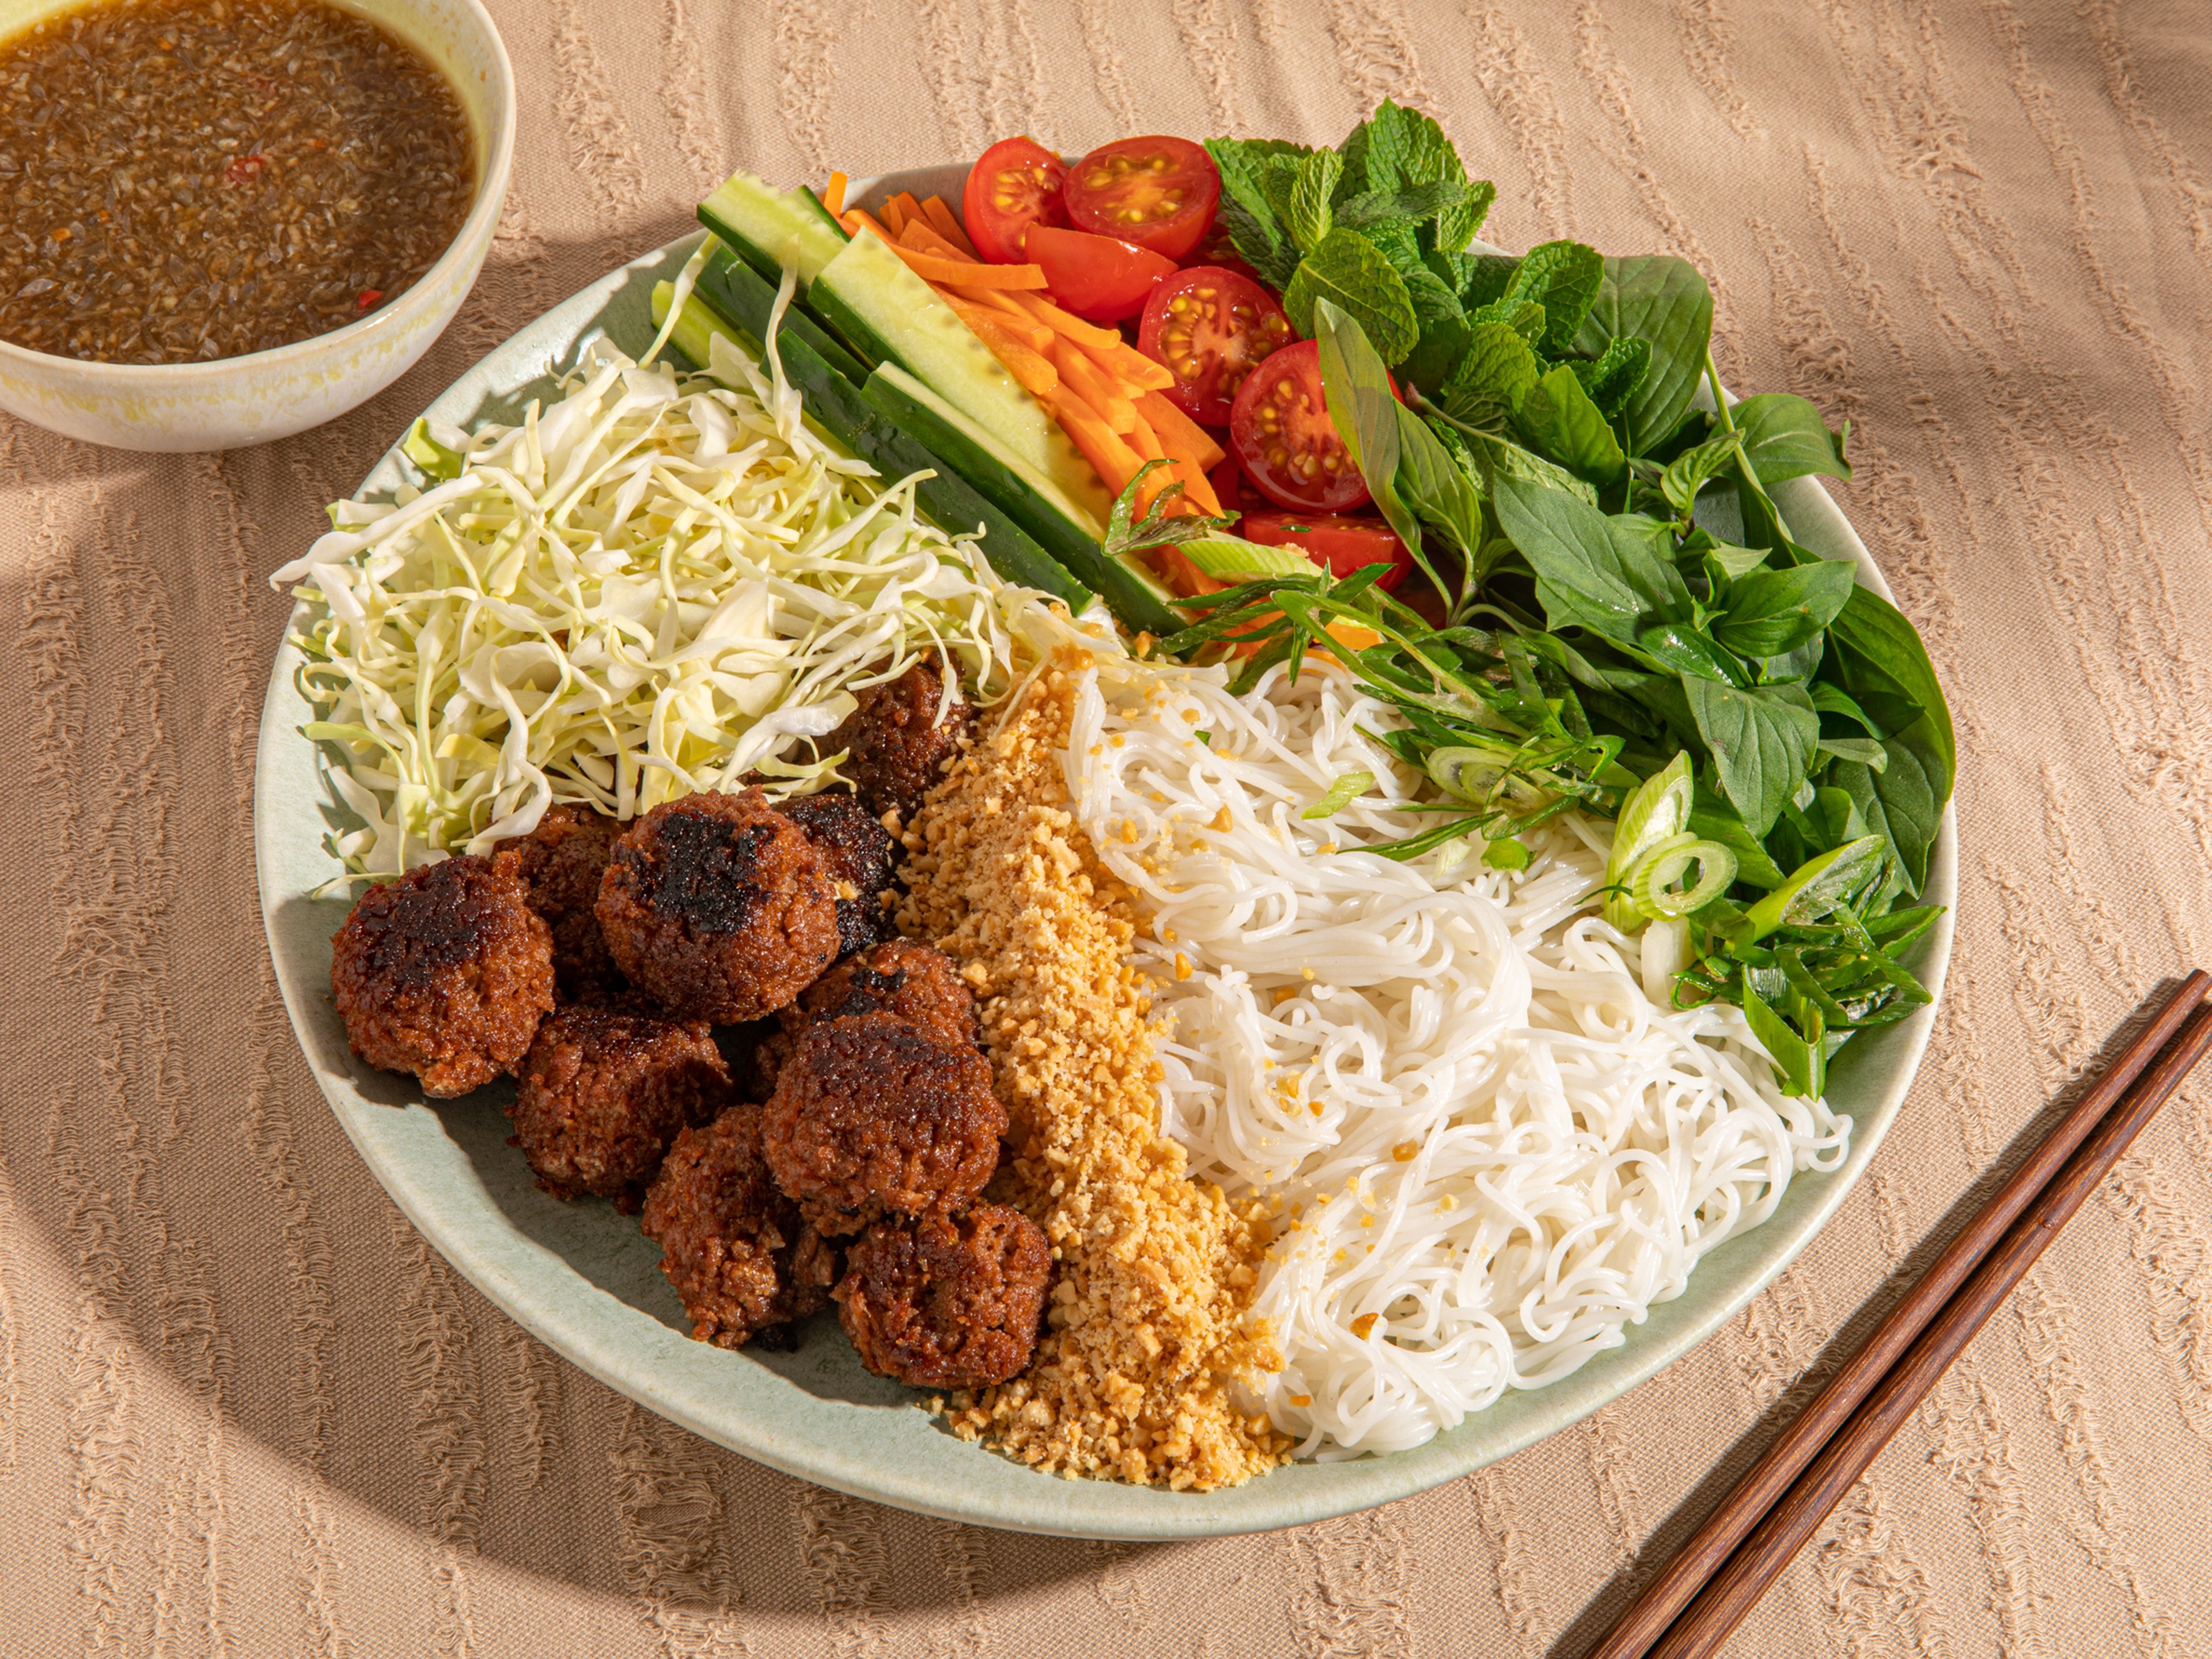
x=1365, y=414
x=1762, y=742
x=1680, y=646
x=1913, y=797
x=1666, y=302
x=1861, y=752
x=1784, y=437
x=1433, y=482
x=1688, y=472
x=1614, y=378
x=1556, y=418
x=1712, y=818
x=1877, y=650
x=1590, y=570
x=1496, y=457
x=1834, y=700
x=1350, y=271
x=1563, y=278
x=1773, y=612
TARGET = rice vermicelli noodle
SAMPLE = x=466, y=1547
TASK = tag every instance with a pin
x=1493, y=1151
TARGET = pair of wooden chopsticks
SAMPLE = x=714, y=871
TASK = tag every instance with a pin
x=1702, y=1594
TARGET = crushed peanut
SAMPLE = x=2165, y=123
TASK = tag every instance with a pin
x=1149, y=1325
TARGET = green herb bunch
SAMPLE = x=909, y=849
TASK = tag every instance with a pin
x=1628, y=625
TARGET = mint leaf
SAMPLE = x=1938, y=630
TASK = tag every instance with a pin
x=1524, y=316
x=1488, y=277
x=1557, y=418
x=1664, y=300
x=1614, y=378
x=1495, y=370
x=1259, y=244
x=1563, y=278
x=1784, y=437
x=1762, y=742
x=1414, y=206
x=1311, y=216
x=1455, y=226
x=1348, y=271
x=1260, y=238
x=1278, y=181
x=1444, y=331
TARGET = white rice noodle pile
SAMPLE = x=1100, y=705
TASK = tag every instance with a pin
x=1493, y=1150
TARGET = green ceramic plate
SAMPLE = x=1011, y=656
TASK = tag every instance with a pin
x=586, y=1282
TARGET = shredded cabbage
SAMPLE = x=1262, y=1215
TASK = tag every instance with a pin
x=654, y=587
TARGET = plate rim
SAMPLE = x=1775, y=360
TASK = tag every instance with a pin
x=1088, y=1509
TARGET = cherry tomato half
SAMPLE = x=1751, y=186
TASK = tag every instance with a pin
x=1015, y=183
x=1344, y=546
x=1210, y=328
x=1156, y=192
x=1283, y=437
x=1101, y=277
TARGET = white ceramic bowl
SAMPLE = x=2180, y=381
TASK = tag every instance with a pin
x=263, y=395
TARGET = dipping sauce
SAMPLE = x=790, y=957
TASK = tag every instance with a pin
x=188, y=179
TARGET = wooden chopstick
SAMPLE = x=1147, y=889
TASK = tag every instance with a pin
x=1764, y=1487
x=1783, y=1530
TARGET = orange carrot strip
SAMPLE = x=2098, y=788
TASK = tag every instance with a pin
x=1037, y=375
x=894, y=217
x=1182, y=436
x=1133, y=368
x=921, y=236
x=910, y=209
x=856, y=220
x=1146, y=441
x=1116, y=462
x=1011, y=318
x=1196, y=486
x=1095, y=386
x=833, y=195
x=948, y=226
x=1061, y=322
x=930, y=268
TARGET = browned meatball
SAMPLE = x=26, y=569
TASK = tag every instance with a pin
x=945, y=1303
x=445, y=973
x=718, y=907
x=918, y=984
x=858, y=851
x=561, y=862
x=605, y=1089
x=871, y=1114
x=896, y=742
x=732, y=1246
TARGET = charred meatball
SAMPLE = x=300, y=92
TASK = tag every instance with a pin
x=603, y=1091
x=718, y=907
x=732, y=1246
x=561, y=862
x=873, y=1115
x=943, y=1303
x=895, y=742
x=918, y=984
x=445, y=973
x=858, y=851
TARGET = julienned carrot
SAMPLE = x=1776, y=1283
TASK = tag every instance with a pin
x=833, y=195
x=1013, y=319
x=1196, y=486
x=1182, y=436
x=930, y=268
x=893, y=216
x=1116, y=462
x=921, y=236
x=948, y=227
x=1135, y=369
x=856, y=220
x=1094, y=385
x=1061, y=322
x=1037, y=375
x=910, y=209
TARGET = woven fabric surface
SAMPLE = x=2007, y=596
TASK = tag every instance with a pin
x=244, y=1410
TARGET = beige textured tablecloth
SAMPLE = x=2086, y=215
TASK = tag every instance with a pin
x=244, y=1410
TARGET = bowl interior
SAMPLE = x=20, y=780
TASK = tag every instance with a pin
x=585, y=1281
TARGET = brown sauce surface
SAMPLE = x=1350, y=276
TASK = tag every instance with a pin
x=188, y=179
